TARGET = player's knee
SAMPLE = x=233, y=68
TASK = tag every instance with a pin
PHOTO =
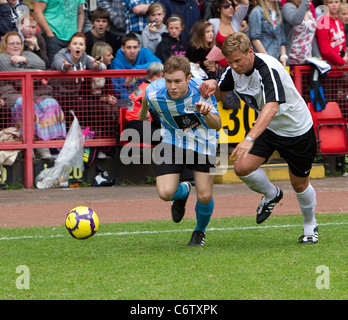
x=204, y=198
x=165, y=195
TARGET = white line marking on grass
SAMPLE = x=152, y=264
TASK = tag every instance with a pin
x=126, y=233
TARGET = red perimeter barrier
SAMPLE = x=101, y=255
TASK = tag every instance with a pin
x=88, y=93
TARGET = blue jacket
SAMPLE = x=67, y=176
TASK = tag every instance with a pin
x=145, y=58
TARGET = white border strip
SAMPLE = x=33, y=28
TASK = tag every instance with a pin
x=125, y=233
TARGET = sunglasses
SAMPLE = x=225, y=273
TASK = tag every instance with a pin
x=227, y=5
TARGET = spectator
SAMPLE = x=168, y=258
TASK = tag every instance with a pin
x=102, y=99
x=330, y=36
x=130, y=56
x=154, y=72
x=300, y=25
x=49, y=118
x=152, y=34
x=201, y=42
x=172, y=43
x=100, y=20
x=116, y=10
x=188, y=10
x=9, y=15
x=33, y=41
x=343, y=16
x=267, y=30
x=59, y=20
x=136, y=18
x=75, y=91
x=229, y=20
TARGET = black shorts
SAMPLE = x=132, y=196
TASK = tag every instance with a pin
x=299, y=152
x=171, y=159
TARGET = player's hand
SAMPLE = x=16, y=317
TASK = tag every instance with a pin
x=208, y=88
x=203, y=107
x=241, y=150
x=143, y=117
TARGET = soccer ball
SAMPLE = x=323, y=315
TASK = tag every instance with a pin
x=82, y=222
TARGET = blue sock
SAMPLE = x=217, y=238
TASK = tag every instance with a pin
x=203, y=214
x=181, y=192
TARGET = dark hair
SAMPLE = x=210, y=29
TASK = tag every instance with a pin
x=218, y=4
x=100, y=13
x=129, y=36
x=177, y=63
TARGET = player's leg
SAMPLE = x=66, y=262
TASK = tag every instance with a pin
x=204, y=206
x=249, y=171
x=306, y=197
x=167, y=187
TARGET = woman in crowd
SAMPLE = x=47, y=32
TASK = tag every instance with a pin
x=73, y=93
x=49, y=118
x=267, y=30
x=229, y=20
x=300, y=26
x=331, y=37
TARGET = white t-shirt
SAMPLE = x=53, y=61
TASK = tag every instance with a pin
x=269, y=81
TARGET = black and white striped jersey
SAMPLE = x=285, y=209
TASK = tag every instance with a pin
x=269, y=81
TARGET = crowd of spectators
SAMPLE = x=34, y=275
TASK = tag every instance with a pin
x=133, y=34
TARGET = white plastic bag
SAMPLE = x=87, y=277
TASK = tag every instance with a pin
x=71, y=155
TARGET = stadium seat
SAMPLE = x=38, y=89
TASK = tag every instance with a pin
x=330, y=130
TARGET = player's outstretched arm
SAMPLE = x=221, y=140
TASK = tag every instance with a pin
x=144, y=113
x=212, y=120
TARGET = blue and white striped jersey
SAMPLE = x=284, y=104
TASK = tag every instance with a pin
x=182, y=125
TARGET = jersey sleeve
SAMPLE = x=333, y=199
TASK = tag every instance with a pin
x=226, y=82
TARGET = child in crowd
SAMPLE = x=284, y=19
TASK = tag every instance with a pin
x=152, y=34
x=201, y=42
x=172, y=44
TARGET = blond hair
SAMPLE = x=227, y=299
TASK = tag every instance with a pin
x=3, y=43
x=266, y=12
x=238, y=41
x=177, y=63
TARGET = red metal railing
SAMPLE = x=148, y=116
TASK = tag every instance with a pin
x=27, y=83
x=335, y=88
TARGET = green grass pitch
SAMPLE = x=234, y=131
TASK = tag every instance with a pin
x=150, y=260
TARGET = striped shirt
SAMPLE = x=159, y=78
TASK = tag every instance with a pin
x=269, y=81
x=182, y=125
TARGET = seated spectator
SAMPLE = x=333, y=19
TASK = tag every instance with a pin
x=130, y=56
x=154, y=72
x=172, y=43
x=100, y=19
x=152, y=34
x=267, y=32
x=33, y=41
x=116, y=10
x=300, y=26
x=9, y=15
x=102, y=99
x=330, y=36
x=201, y=42
x=187, y=9
x=74, y=92
x=49, y=118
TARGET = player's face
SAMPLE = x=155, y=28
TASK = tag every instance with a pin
x=131, y=50
x=177, y=84
x=241, y=62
